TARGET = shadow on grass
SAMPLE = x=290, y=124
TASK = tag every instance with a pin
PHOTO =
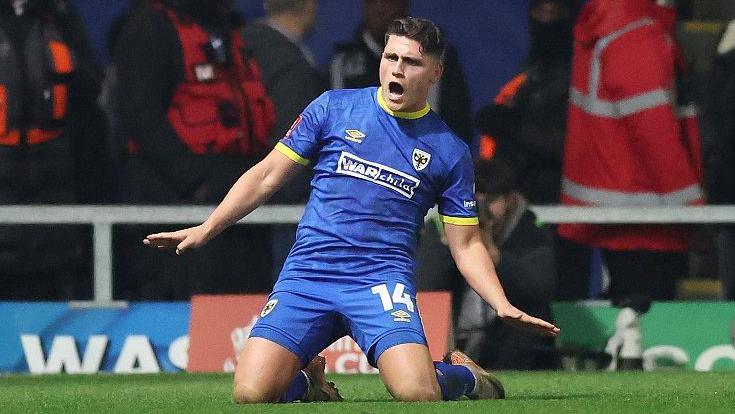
x=565, y=396
x=540, y=397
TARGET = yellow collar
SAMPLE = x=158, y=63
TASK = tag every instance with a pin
x=406, y=115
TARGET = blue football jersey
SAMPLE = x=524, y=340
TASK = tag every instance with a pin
x=376, y=174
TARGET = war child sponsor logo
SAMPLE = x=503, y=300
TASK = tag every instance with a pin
x=398, y=181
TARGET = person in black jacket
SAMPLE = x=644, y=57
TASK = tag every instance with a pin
x=48, y=85
x=292, y=80
x=149, y=60
x=287, y=66
x=195, y=115
x=718, y=150
x=288, y=71
x=528, y=118
x=526, y=127
x=355, y=65
x=523, y=254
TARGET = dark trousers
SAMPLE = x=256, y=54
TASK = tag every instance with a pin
x=574, y=262
x=651, y=273
x=45, y=262
x=236, y=261
x=726, y=261
x=511, y=348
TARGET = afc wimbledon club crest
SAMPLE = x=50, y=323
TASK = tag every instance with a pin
x=268, y=307
x=420, y=159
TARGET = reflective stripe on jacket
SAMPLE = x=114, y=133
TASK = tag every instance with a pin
x=624, y=143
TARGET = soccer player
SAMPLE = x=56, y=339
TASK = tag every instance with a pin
x=381, y=159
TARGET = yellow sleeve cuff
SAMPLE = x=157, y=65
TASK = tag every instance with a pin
x=283, y=149
x=461, y=221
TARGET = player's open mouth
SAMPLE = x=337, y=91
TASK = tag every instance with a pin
x=395, y=89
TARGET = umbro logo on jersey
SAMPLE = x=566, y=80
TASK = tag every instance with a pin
x=387, y=177
x=354, y=135
x=420, y=159
x=401, y=316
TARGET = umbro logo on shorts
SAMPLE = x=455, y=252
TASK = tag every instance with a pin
x=401, y=316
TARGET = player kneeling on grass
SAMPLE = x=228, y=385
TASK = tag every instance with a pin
x=381, y=160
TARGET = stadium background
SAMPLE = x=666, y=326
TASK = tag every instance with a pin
x=490, y=35
x=492, y=40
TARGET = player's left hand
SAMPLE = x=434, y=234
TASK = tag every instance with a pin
x=517, y=317
x=181, y=240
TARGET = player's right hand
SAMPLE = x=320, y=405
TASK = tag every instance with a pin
x=520, y=319
x=181, y=240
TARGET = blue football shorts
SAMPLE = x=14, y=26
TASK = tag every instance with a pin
x=310, y=315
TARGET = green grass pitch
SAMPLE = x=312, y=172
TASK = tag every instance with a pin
x=666, y=391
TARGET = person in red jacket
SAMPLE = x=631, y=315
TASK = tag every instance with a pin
x=625, y=145
x=194, y=114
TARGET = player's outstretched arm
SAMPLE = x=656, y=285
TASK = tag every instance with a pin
x=251, y=190
x=473, y=261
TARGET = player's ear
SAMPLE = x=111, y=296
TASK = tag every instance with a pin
x=438, y=70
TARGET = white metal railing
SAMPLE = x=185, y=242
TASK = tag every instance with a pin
x=102, y=218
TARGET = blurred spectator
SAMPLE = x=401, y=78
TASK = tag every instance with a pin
x=719, y=150
x=196, y=115
x=288, y=71
x=113, y=32
x=116, y=142
x=292, y=80
x=528, y=118
x=355, y=65
x=523, y=254
x=287, y=66
x=526, y=126
x=625, y=145
x=48, y=86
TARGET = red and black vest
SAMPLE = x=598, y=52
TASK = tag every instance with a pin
x=221, y=107
x=35, y=114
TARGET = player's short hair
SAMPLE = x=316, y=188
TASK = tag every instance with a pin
x=281, y=6
x=424, y=31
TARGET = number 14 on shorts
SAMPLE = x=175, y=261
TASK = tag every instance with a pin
x=399, y=296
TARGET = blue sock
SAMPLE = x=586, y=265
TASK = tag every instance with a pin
x=454, y=380
x=297, y=389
